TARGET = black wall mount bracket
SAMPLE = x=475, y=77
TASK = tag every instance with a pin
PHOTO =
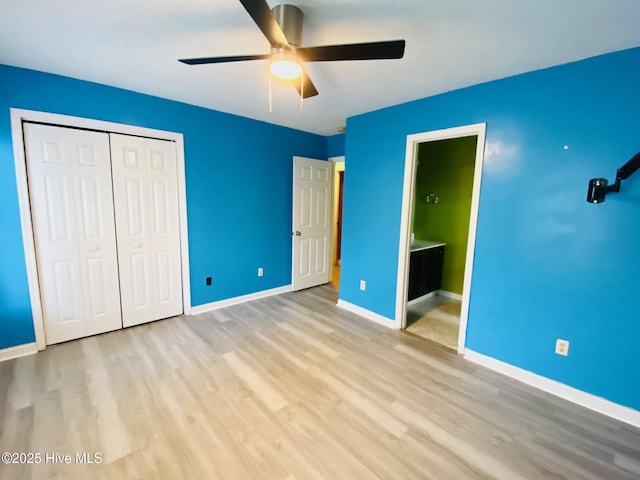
x=598, y=187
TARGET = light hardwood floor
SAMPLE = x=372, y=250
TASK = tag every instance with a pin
x=436, y=318
x=291, y=387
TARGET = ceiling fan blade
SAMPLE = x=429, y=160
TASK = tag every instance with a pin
x=309, y=89
x=235, y=58
x=355, y=51
x=261, y=14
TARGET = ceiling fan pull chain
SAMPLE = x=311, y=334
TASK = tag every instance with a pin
x=301, y=89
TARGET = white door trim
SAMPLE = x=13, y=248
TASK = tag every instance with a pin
x=18, y=116
x=478, y=129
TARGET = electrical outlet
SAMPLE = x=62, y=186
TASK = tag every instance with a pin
x=207, y=281
x=260, y=272
x=363, y=285
x=562, y=347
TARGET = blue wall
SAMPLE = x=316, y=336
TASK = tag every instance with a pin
x=335, y=145
x=548, y=264
x=238, y=176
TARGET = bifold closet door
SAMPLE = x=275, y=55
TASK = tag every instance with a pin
x=145, y=189
x=71, y=199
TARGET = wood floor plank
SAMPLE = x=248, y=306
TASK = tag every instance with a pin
x=292, y=387
x=255, y=382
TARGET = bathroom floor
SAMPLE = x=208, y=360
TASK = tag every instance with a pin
x=436, y=318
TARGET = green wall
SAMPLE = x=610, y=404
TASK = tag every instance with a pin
x=445, y=168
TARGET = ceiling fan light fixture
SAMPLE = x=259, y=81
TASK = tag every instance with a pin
x=286, y=66
x=282, y=27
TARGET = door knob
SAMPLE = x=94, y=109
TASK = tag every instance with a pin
x=137, y=245
x=95, y=249
x=297, y=233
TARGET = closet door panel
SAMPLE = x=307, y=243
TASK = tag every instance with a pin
x=147, y=220
x=71, y=199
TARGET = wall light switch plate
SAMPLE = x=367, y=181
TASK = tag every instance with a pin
x=363, y=285
x=260, y=272
x=562, y=347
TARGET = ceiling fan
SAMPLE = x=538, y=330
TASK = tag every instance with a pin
x=282, y=26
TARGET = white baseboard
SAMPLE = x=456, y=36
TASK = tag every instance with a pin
x=584, y=399
x=368, y=314
x=455, y=296
x=423, y=297
x=227, y=302
x=18, y=351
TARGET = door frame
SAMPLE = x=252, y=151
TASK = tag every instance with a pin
x=18, y=116
x=408, y=191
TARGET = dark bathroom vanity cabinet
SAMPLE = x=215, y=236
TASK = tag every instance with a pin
x=425, y=267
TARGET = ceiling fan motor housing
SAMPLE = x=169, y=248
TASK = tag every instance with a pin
x=289, y=17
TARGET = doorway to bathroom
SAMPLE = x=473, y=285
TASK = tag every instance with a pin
x=440, y=206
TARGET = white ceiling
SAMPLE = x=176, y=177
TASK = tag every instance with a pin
x=135, y=44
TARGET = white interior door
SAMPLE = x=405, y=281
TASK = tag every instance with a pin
x=312, y=182
x=147, y=224
x=70, y=194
